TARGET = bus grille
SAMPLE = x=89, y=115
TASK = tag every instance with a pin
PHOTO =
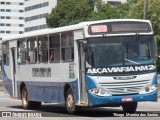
x=127, y=87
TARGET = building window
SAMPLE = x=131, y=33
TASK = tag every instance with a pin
x=2, y=31
x=54, y=51
x=8, y=32
x=7, y=17
x=20, y=18
x=8, y=10
x=21, y=3
x=2, y=10
x=20, y=32
x=21, y=25
x=67, y=46
x=2, y=24
x=37, y=6
x=2, y=3
x=2, y=17
x=8, y=3
x=8, y=24
x=20, y=11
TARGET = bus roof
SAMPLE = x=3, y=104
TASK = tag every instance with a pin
x=79, y=26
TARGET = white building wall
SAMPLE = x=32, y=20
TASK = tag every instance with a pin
x=11, y=17
x=35, y=12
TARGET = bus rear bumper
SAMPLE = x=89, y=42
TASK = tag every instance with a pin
x=94, y=100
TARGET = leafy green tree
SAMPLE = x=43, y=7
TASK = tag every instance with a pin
x=104, y=11
x=122, y=9
x=69, y=12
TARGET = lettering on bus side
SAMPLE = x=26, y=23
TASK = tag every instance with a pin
x=41, y=72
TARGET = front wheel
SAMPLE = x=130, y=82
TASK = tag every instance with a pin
x=129, y=107
x=70, y=103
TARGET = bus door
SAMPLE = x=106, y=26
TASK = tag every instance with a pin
x=82, y=78
x=13, y=70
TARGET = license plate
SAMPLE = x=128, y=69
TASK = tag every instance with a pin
x=127, y=99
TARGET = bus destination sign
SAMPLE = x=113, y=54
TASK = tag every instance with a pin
x=99, y=29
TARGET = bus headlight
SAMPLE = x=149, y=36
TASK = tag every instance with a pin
x=99, y=92
x=148, y=89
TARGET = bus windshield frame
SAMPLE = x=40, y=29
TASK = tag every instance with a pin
x=120, y=51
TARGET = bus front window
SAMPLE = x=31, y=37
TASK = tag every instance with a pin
x=120, y=51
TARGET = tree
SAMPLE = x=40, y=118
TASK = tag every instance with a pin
x=104, y=11
x=69, y=12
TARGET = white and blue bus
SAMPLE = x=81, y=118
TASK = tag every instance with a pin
x=90, y=64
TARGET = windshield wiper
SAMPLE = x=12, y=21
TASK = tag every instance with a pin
x=133, y=40
x=131, y=61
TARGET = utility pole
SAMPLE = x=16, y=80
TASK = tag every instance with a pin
x=145, y=9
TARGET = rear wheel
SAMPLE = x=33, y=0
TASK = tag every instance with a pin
x=29, y=104
x=130, y=107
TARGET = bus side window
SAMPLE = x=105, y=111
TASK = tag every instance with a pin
x=43, y=49
x=54, y=41
x=6, y=53
x=21, y=51
x=67, y=46
x=32, y=50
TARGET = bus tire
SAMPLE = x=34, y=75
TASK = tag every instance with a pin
x=25, y=102
x=130, y=107
x=29, y=104
x=69, y=102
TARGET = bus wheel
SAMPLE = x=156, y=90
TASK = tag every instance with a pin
x=25, y=102
x=70, y=104
x=29, y=104
x=129, y=107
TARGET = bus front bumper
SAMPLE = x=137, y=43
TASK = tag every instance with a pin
x=94, y=100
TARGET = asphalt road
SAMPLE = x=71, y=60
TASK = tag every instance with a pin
x=149, y=109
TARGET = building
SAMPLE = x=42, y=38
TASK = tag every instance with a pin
x=35, y=13
x=11, y=17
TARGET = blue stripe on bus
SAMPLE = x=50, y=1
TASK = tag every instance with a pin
x=90, y=83
x=49, y=91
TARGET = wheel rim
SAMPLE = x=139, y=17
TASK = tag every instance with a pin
x=70, y=103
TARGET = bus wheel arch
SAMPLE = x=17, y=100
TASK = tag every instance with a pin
x=66, y=87
x=26, y=103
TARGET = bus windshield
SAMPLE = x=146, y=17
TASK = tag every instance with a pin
x=120, y=51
